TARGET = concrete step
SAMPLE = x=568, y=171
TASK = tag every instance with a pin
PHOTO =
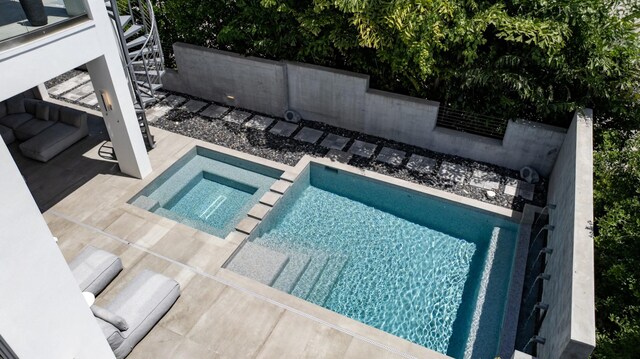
x=258, y=262
x=291, y=274
x=328, y=279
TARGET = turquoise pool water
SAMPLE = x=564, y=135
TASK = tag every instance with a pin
x=426, y=270
x=207, y=190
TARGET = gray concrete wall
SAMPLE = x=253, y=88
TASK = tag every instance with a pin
x=344, y=99
x=235, y=80
x=569, y=326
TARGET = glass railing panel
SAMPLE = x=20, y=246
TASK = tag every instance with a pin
x=30, y=17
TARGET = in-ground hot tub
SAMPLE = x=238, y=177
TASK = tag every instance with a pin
x=208, y=190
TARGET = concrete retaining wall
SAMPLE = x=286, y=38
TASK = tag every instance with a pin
x=235, y=80
x=344, y=99
x=569, y=326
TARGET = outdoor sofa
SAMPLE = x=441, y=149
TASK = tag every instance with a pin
x=45, y=129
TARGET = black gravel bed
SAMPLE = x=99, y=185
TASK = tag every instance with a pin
x=289, y=151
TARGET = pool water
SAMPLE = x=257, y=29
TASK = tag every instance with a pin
x=212, y=199
x=408, y=264
x=207, y=190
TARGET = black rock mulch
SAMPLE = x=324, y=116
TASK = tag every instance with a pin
x=289, y=151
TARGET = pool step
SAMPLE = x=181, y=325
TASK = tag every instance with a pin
x=258, y=262
x=311, y=275
x=200, y=225
x=328, y=279
x=147, y=203
x=290, y=275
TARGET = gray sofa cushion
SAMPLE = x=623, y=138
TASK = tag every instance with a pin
x=7, y=134
x=72, y=117
x=113, y=335
x=52, y=141
x=110, y=317
x=143, y=302
x=15, y=105
x=94, y=269
x=15, y=120
x=3, y=109
x=32, y=128
x=42, y=111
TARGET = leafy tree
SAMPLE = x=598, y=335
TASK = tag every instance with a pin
x=524, y=58
x=617, y=244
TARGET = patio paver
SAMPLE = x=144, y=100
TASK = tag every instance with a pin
x=214, y=111
x=335, y=142
x=193, y=106
x=90, y=100
x=236, y=116
x=259, y=122
x=283, y=128
x=453, y=172
x=363, y=149
x=309, y=135
x=515, y=187
x=69, y=84
x=174, y=100
x=79, y=92
x=421, y=164
x=339, y=156
x=485, y=180
x=391, y=156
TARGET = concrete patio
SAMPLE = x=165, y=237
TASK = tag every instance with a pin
x=220, y=313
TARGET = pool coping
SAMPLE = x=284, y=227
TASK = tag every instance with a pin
x=354, y=327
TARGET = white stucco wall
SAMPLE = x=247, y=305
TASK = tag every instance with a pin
x=42, y=311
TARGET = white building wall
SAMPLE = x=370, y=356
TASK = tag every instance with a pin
x=94, y=42
x=42, y=311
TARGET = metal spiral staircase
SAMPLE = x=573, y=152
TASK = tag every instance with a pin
x=141, y=54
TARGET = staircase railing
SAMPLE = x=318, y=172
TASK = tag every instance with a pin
x=142, y=57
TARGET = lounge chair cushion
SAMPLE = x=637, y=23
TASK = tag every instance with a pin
x=110, y=317
x=94, y=269
x=15, y=120
x=113, y=335
x=32, y=128
x=7, y=135
x=142, y=303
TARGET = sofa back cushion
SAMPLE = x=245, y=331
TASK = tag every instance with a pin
x=15, y=105
x=72, y=117
x=3, y=109
x=42, y=111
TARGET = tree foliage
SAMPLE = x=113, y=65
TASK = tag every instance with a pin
x=617, y=244
x=524, y=58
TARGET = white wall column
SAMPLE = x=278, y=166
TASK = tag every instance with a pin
x=108, y=75
x=42, y=312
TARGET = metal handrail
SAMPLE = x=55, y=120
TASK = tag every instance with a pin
x=152, y=17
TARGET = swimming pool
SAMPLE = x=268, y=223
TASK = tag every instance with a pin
x=208, y=190
x=413, y=265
